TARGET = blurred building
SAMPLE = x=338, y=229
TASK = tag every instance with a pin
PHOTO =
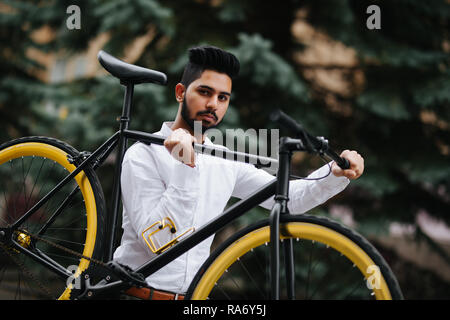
x=65, y=67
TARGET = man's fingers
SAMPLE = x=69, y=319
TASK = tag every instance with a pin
x=179, y=145
x=356, y=162
x=181, y=153
x=350, y=173
x=171, y=143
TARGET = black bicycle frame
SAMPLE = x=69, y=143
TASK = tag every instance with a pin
x=279, y=188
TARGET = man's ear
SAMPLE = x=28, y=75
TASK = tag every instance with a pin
x=179, y=92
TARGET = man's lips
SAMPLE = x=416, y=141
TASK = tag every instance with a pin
x=209, y=117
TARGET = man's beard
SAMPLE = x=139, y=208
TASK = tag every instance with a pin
x=191, y=122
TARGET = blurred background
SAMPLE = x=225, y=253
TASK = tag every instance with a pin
x=382, y=91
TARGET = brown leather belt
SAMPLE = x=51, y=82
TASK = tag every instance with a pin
x=153, y=294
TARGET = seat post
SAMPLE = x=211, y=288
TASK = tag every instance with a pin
x=116, y=194
x=126, y=109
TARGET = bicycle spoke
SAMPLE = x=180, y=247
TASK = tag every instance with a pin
x=56, y=240
x=223, y=292
x=237, y=285
x=35, y=183
x=24, y=183
x=66, y=257
x=263, y=270
x=250, y=276
x=14, y=203
x=309, y=269
x=18, y=290
x=58, y=211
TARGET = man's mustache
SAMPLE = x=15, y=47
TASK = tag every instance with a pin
x=208, y=112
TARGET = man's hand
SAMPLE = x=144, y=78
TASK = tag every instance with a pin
x=356, y=165
x=179, y=144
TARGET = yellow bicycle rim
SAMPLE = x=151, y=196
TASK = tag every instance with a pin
x=301, y=230
x=56, y=154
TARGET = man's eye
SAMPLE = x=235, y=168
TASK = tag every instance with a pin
x=223, y=98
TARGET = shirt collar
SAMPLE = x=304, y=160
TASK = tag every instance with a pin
x=166, y=131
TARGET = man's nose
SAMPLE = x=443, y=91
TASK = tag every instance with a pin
x=212, y=103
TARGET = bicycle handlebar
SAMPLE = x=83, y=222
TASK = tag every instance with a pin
x=311, y=143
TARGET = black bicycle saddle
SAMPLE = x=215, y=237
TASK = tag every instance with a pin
x=130, y=73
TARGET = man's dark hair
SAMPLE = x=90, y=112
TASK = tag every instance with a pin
x=209, y=58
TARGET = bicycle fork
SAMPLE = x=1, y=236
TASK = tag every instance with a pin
x=287, y=146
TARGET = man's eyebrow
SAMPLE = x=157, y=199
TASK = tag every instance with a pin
x=214, y=90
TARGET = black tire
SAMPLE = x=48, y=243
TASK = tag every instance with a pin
x=27, y=279
x=353, y=236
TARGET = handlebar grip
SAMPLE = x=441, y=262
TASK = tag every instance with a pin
x=343, y=164
x=289, y=123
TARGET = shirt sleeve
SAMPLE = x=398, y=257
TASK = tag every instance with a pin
x=146, y=197
x=303, y=194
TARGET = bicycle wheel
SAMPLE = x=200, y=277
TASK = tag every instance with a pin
x=72, y=219
x=331, y=262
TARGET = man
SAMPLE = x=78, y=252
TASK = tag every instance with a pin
x=173, y=182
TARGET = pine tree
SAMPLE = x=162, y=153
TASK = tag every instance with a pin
x=401, y=116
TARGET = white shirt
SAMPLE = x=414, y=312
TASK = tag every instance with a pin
x=156, y=186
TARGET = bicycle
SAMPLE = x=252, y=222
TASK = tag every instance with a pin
x=54, y=226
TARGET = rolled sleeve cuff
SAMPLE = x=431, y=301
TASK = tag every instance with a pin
x=330, y=182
